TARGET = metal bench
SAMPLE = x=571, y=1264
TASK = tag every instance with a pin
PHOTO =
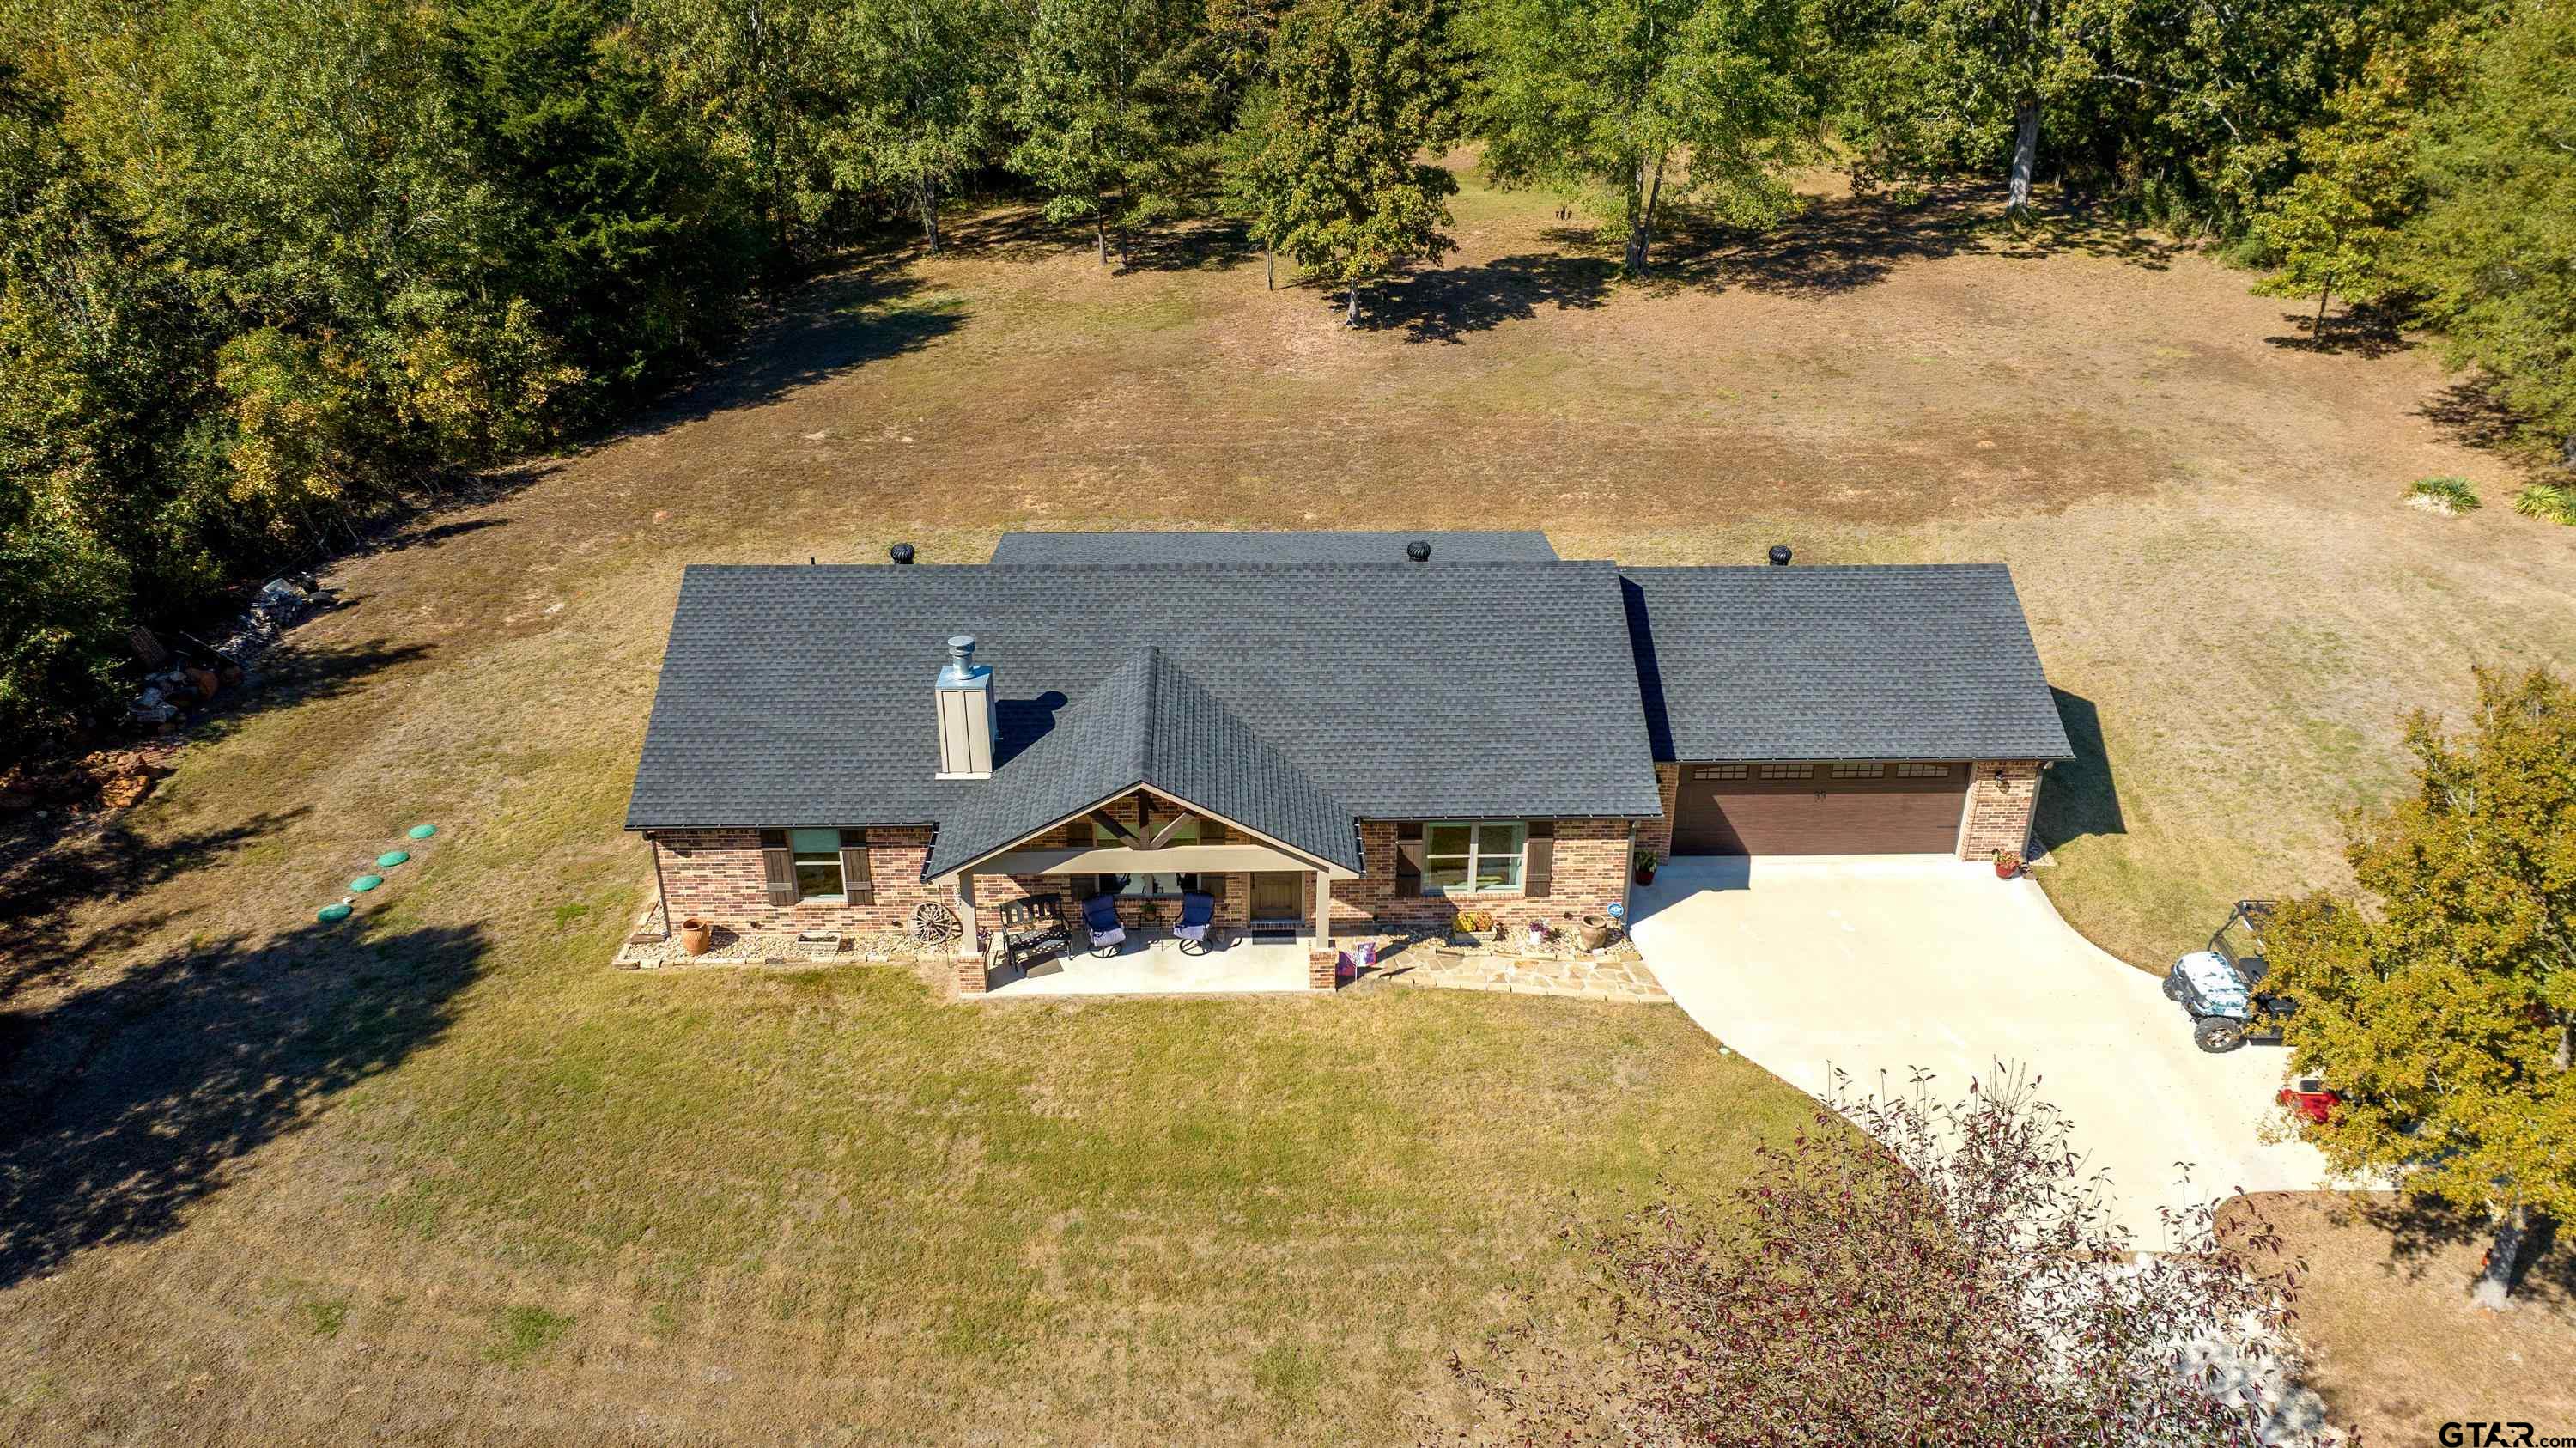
x=1033, y=930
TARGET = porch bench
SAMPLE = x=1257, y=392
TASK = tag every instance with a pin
x=1033, y=930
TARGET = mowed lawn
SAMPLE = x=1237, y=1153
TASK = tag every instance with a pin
x=443, y=1176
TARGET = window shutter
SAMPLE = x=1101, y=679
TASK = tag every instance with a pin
x=1408, y=857
x=1539, y=866
x=858, y=887
x=778, y=867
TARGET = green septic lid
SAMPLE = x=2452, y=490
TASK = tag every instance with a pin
x=366, y=882
x=391, y=858
x=422, y=832
x=331, y=912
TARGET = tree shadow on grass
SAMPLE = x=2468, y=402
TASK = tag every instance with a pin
x=1839, y=244
x=126, y=1105
x=2471, y=414
x=869, y=313
x=2079, y=796
x=47, y=867
x=2363, y=330
x=2420, y=1231
x=1444, y=304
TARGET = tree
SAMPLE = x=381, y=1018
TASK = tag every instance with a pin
x=924, y=80
x=2495, y=250
x=2330, y=231
x=1339, y=182
x=2442, y=1004
x=1942, y=1275
x=1116, y=109
x=755, y=77
x=1651, y=101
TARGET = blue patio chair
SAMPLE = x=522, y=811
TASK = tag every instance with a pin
x=1197, y=909
x=1100, y=917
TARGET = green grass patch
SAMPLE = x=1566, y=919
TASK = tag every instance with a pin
x=522, y=1332
x=2548, y=502
x=2443, y=494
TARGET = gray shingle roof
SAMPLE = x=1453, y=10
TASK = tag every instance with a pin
x=1285, y=547
x=1149, y=722
x=1930, y=661
x=802, y=695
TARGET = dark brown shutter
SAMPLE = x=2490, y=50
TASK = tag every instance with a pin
x=778, y=867
x=1408, y=857
x=1539, y=867
x=858, y=886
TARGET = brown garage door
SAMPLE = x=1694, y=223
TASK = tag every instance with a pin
x=1819, y=809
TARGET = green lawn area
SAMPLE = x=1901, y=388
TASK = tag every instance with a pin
x=444, y=1176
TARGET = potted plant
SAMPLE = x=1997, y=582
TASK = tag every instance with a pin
x=1593, y=931
x=1539, y=935
x=2007, y=864
x=697, y=937
x=1646, y=867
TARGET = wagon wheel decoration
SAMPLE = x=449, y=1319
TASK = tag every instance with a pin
x=934, y=923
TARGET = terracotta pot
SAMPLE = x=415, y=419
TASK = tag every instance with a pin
x=1645, y=876
x=697, y=937
x=1593, y=931
x=2007, y=867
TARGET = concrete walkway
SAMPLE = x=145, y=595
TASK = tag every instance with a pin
x=1875, y=965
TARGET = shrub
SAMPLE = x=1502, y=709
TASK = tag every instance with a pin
x=2444, y=495
x=2547, y=501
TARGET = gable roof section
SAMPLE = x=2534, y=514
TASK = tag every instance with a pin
x=1148, y=722
x=1281, y=547
x=802, y=695
x=1930, y=661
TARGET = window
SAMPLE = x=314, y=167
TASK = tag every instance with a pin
x=1788, y=771
x=817, y=854
x=1850, y=770
x=1463, y=857
x=1719, y=771
x=1147, y=886
x=1923, y=771
x=827, y=865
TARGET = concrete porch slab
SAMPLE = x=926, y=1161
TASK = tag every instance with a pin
x=1159, y=968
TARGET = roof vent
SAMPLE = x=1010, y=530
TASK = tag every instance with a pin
x=900, y=553
x=1419, y=550
x=1779, y=555
x=967, y=726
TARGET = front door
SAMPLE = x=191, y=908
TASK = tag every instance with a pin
x=1278, y=898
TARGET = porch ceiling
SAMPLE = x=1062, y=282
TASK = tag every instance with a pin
x=1170, y=860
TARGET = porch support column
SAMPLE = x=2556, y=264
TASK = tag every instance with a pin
x=971, y=978
x=1321, y=959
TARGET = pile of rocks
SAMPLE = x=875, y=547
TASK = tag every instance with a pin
x=280, y=604
x=112, y=778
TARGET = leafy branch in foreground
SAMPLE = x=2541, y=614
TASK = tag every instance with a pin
x=1943, y=1275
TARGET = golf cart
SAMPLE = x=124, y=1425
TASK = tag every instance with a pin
x=2216, y=987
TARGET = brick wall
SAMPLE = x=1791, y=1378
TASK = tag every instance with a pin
x=1590, y=875
x=2002, y=793
x=1657, y=835
x=716, y=875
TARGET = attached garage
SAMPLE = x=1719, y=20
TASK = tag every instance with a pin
x=1841, y=711
x=1878, y=807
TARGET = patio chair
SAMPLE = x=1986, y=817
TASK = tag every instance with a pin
x=1100, y=917
x=1197, y=909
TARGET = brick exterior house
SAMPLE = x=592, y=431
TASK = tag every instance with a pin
x=1234, y=726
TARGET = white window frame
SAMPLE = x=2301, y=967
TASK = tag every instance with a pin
x=1473, y=861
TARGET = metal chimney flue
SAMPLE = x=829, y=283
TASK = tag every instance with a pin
x=1779, y=555
x=967, y=726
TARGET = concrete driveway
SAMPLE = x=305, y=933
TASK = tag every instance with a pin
x=1877, y=965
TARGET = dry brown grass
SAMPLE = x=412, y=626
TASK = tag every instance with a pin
x=2395, y=1348
x=269, y=1175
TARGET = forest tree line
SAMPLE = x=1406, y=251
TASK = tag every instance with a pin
x=269, y=267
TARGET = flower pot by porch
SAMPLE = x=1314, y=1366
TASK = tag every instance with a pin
x=2007, y=866
x=697, y=937
x=1593, y=931
x=1645, y=874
